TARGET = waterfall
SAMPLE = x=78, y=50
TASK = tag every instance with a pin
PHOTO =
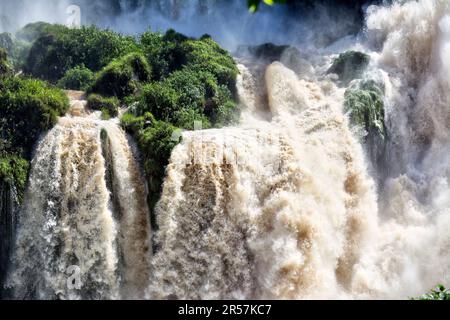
x=284, y=205
x=278, y=209
x=77, y=239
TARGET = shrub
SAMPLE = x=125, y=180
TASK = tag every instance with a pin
x=191, y=90
x=187, y=96
x=58, y=49
x=156, y=142
x=225, y=114
x=123, y=76
x=164, y=52
x=206, y=55
x=440, y=293
x=187, y=119
x=349, y=65
x=27, y=108
x=78, y=78
x=108, y=106
x=159, y=99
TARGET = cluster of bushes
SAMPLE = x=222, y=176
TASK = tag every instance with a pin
x=439, y=293
x=108, y=106
x=77, y=78
x=14, y=171
x=28, y=107
x=123, y=76
x=57, y=49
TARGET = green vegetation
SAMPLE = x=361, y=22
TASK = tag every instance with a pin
x=192, y=81
x=14, y=171
x=108, y=106
x=349, y=65
x=123, y=76
x=155, y=141
x=58, y=49
x=365, y=107
x=28, y=107
x=78, y=78
x=168, y=81
x=439, y=293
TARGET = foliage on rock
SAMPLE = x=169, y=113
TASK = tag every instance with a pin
x=349, y=65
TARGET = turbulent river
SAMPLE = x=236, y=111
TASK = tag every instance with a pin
x=285, y=205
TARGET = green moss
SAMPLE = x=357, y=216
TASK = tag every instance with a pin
x=14, y=171
x=108, y=106
x=123, y=76
x=349, y=65
x=365, y=107
x=78, y=78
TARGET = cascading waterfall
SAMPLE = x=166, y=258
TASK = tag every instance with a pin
x=285, y=209
x=77, y=238
x=412, y=251
x=285, y=205
x=278, y=209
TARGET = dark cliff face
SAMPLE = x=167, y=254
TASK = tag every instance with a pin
x=8, y=207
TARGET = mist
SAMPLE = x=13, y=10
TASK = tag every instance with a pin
x=301, y=23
